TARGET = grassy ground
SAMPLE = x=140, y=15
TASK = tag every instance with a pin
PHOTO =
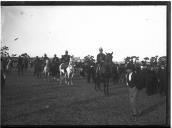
x=32, y=101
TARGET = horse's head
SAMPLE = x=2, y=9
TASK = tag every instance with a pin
x=47, y=61
x=108, y=57
x=72, y=61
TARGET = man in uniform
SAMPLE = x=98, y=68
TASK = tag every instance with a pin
x=100, y=57
x=55, y=65
x=45, y=57
x=65, y=60
x=55, y=59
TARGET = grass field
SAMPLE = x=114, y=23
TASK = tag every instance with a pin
x=31, y=101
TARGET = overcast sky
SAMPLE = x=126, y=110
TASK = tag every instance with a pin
x=125, y=30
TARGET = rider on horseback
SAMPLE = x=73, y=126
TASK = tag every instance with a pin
x=65, y=60
x=45, y=58
x=55, y=59
x=100, y=57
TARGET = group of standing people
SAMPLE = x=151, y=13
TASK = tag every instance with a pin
x=152, y=78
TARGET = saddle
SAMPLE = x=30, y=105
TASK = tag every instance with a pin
x=100, y=69
x=64, y=66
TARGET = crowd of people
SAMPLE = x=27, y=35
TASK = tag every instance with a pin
x=136, y=76
x=154, y=73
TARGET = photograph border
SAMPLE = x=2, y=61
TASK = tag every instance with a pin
x=116, y=3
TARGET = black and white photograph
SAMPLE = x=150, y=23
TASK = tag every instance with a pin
x=85, y=63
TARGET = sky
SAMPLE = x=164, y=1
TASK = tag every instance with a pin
x=123, y=30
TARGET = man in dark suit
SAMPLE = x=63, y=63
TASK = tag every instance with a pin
x=162, y=78
x=131, y=81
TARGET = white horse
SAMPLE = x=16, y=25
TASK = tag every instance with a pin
x=46, y=70
x=8, y=67
x=68, y=75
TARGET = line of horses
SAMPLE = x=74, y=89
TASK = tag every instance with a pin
x=100, y=74
x=56, y=70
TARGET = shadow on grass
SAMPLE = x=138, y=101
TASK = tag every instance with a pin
x=152, y=108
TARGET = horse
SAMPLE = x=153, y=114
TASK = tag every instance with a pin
x=26, y=61
x=115, y=75
x=20, y=66
x=38, y=68
x=46, y=70
x=70, y=72
x=54, y=69
x=8, y=67
x=78, y=70
x=103, y=73
x=67, y=75
x=3, y=74
x=62, y=73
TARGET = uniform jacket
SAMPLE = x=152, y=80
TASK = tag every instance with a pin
x=66, y=58
x=100, y=57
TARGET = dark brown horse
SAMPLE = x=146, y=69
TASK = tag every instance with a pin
x=103, y=73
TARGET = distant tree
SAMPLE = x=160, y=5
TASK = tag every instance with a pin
x=137, y=58
x=162, y=60
x=146, y=58
x=13, y=55
x=127, y=60
x=4, y=51
x=88, y=59
x=25, y=55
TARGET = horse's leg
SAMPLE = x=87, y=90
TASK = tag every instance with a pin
x=65, y=78
x=43, y=73
x=95, y=87
x=68, y=79
x=96, y=82
x=108, y=87
x=60, y=79
x=71, y=78
x=60, y=82
x=99, y=85
x=71, y=81
x=105, y=88
x=48, y=76
x=45, y=77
